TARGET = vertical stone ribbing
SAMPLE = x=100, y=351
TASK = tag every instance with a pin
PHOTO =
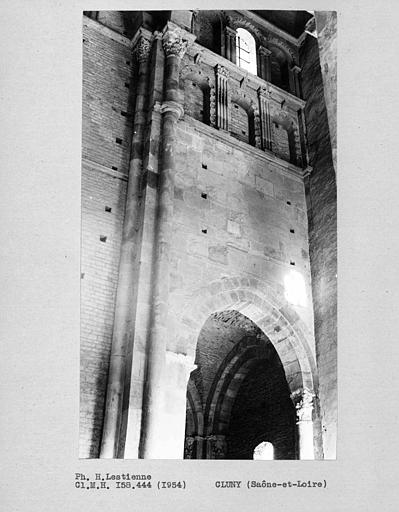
x=175, y=41
x=265, y=120
x=122, y=336
x=222, y=95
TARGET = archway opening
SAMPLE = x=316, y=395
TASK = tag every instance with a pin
x=238, y=395
x=280, y=68
x=264, y=451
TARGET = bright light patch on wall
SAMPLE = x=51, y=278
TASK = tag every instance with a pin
x=295, y=289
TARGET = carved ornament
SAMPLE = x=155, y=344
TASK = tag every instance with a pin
x=176, y=40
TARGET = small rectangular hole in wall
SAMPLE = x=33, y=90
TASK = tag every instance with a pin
x=114, y=168
x=124, y=114
x=242, y=131
x=292, y=262
x=289, y=202
x=205, y=231
x=235, y=106
x=108, y=209
x=204, y=166
x=118, y=140
x=128, y=62
x=292, y=230
x=203, y=195
x=103, y=238
x=127, y=85
x=82, y=275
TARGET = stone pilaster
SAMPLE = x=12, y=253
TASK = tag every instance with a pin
x=175, y=42
x=303, y=401
x=294, y=80
x=222, y=98
x=265, y=119
x=122, y=337
x=264, y=63
x=230, y=36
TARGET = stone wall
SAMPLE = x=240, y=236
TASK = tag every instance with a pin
x=322, y=214
x=107, y=69
x=235, y=214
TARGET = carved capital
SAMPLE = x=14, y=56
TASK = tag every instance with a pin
x=264, y=92
x=142, y=44
x=303, y=401
x=221, y=71
x=175, y=40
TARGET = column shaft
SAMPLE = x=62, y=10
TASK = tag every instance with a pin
x=122, y=336
x=154, y=406
x=305, y=434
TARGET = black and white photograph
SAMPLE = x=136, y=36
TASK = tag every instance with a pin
x=208, y=274
x=199, y=282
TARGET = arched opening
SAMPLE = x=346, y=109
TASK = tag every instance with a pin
x=247, y=302
x=284, y=143
x=242, y=120
x=279, y=68
x=238, y=394
x=264, y=451
x=246, y=50
x=197, y=100
x=240, y=123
